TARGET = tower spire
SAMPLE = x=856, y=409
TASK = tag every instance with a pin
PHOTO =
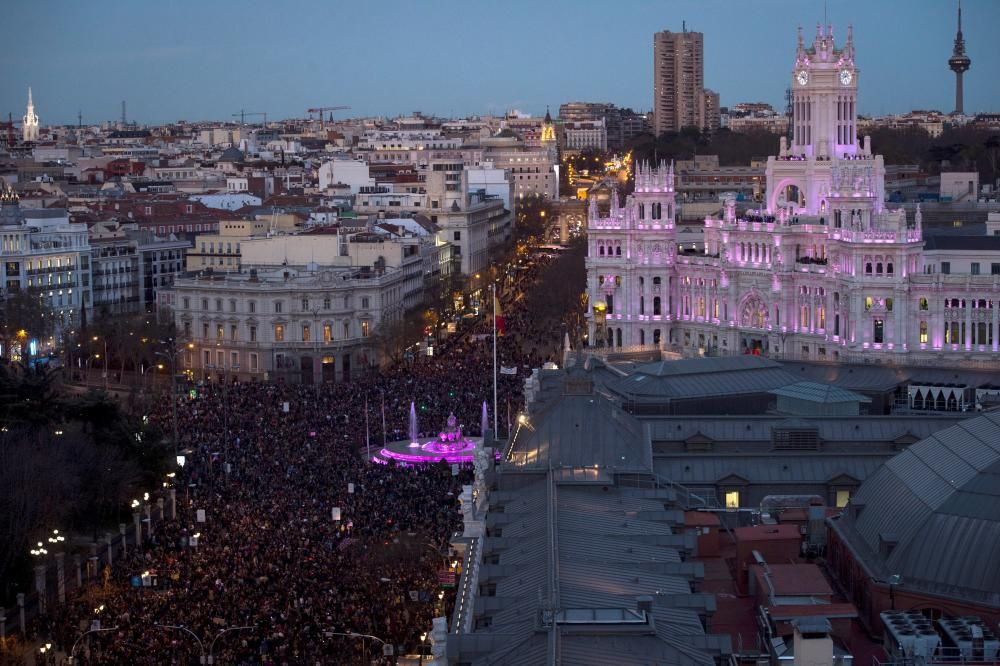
x=959, y=62
x=29, y=125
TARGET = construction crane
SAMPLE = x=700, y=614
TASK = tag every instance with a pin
x=321, y=109
x=243, y=114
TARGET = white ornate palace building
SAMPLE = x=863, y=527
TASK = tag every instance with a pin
x=824, y=270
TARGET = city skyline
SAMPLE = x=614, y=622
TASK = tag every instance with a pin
x=82, y=60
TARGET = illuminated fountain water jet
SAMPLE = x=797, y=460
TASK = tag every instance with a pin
x=413, y=423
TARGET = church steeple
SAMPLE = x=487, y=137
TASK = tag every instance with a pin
x=29, y=126
x=548, y=130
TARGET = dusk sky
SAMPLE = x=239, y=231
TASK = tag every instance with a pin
x=207, y=60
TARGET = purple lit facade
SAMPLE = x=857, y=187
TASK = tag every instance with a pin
x=823, y=270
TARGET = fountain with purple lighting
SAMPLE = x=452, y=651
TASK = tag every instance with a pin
x=451, y=444
x=414, y=436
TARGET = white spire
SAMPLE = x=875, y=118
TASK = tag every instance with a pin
x=29, y=128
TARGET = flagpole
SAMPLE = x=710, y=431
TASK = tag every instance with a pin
x=383, y=419
x=368, y=444
x=496, y=435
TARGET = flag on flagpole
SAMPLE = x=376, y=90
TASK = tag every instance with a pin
x=498, y=316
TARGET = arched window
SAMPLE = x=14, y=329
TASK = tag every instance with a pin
x=642, y=305
x=923, y=332
x=656, y=305
x=642, y=337
x=656, y=337
x=868, y=268
x=601, y=250
x=618, y=337
x=888, y=268
x=923, y=304
x=642, y=211
x=878, y=268
x=618, y=250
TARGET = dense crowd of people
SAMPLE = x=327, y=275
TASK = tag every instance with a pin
x=274, y=575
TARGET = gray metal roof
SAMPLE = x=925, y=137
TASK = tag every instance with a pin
x=591, y=548
x=747, y=429
x=874, y=378
x=954, y=242
x=941, y=499
x=700, y=366
x=820, y=393
x=654, y=382
x=812, y=468
x=581, y=431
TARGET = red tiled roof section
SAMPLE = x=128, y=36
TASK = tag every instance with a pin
x=812, y=610
x=796, y=580
x=700, y=519
x=767, y=532
x=165, y=209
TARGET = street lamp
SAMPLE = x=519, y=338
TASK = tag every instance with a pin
x=894, y=580
x=72, y=652
x=211, y=646
x=96, y=338
x=40, y=552
x=172, y=357
x=423, y=639
x=201, y=646
x=386, y=647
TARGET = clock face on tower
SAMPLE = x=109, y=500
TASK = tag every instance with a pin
x=802, y=77
x=846, y=77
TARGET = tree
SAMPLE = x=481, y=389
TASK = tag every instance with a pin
x=66, y=461
x=393, y=337
x=23, y=318
x=533, y=214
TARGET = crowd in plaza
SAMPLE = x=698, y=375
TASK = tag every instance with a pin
x=275, y=564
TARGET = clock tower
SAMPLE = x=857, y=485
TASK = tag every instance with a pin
x=825, y=168
x=824, y=98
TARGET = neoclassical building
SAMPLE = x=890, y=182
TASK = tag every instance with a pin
x=823, y=270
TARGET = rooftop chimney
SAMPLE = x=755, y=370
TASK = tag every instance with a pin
x=812, y=645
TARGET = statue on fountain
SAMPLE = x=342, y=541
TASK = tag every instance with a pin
x=450, y=438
